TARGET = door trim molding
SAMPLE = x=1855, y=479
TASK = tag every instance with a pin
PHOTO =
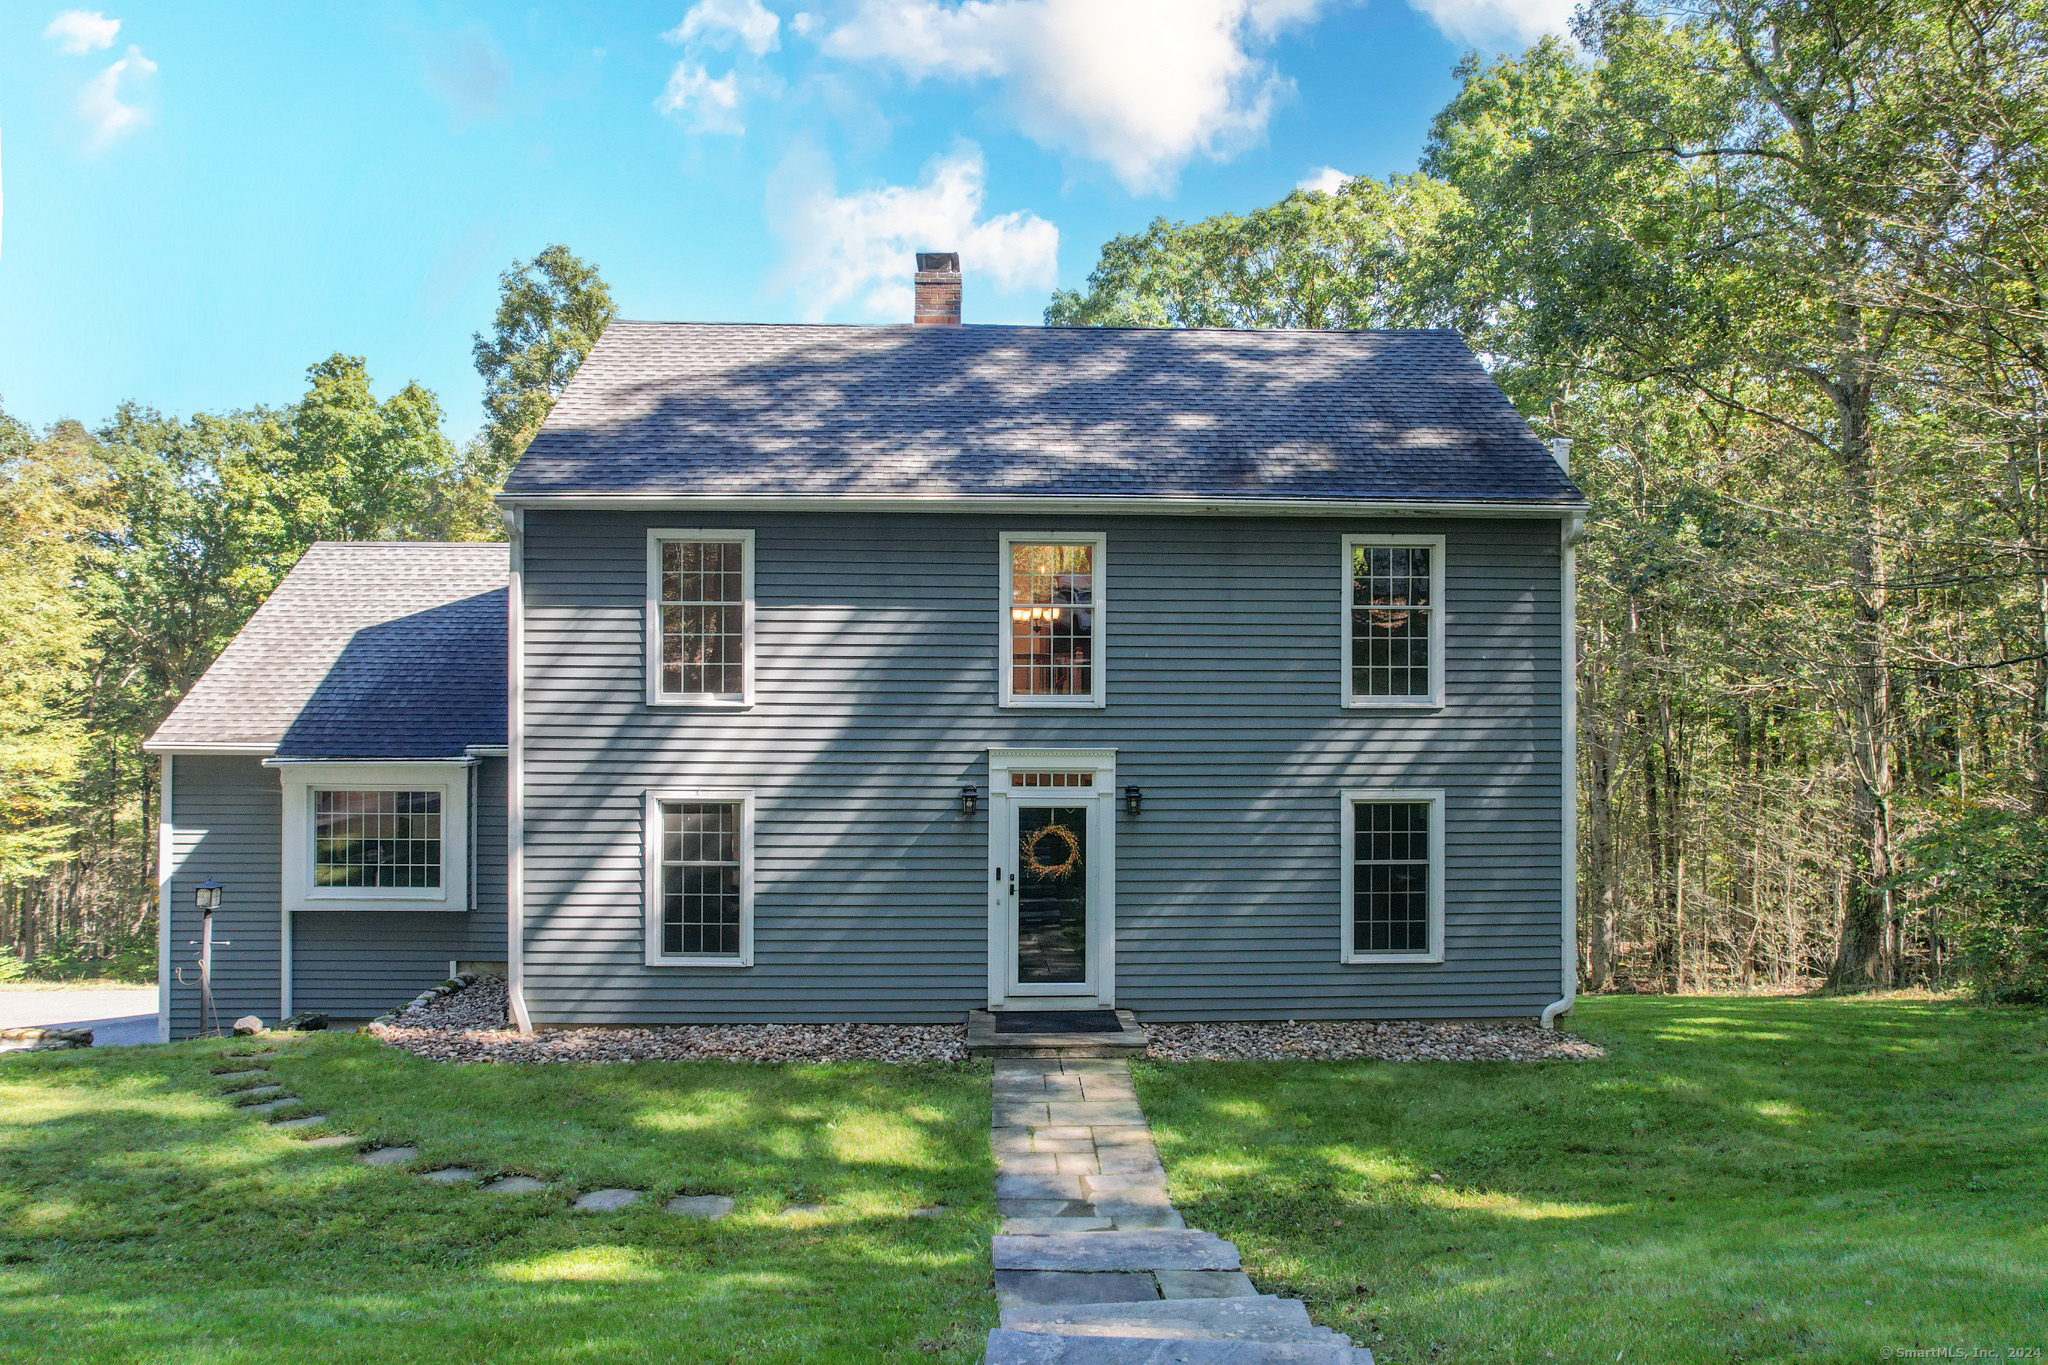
x=1102, y=906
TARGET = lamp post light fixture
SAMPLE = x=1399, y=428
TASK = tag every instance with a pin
x=1132, y=799
x=206, y=896
x=970, y=795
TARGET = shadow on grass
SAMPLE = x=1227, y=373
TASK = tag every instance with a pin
x=1741, y=1179
x=140, y=1217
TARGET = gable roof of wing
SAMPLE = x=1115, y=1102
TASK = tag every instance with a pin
x=366, y=650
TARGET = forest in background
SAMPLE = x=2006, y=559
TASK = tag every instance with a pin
x=1777, y=270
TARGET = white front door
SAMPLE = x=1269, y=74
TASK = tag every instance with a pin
x=1052, y=878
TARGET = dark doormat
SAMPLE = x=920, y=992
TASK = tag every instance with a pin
x=1058, y=1021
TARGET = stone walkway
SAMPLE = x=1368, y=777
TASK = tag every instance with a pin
x=1093, y=1265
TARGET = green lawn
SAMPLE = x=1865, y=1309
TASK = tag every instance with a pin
x=1742, y=1180
x=141, y=1219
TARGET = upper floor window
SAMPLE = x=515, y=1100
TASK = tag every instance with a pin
x=1393, y=620
x=700, y=617
x=1052, y=620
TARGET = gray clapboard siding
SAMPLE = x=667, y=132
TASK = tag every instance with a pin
x=876, y=640
x=226, y=814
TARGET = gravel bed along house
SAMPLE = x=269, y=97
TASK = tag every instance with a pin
x=468, y=1025
x=1347, y=1039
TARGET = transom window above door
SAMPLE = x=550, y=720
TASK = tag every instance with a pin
x=1393, y=620
x=700, y=618
x=1052, y=628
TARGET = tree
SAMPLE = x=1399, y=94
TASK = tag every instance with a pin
x=46, y=492
x=551, y=311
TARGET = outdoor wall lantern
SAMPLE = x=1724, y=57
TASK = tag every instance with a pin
x=207, y=896
x=1132, y=798
x=969, y=796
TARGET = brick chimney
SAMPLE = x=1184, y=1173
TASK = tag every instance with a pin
x=938, y=288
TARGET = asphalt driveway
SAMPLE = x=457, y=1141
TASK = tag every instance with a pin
x=117, y=1015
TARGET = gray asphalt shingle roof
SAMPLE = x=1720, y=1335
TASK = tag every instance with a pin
x=367, y=650
x=711, y=409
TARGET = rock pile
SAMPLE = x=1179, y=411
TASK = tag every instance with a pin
x=1335, y=1040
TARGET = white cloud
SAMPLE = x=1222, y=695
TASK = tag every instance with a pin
x=707, y=105
x=1327, y=179
x=100, y=103
x=858, y=249
x=1139, y=85
x=802, y=22
x=1497, y=23
x=718, y=22
x=79, y=31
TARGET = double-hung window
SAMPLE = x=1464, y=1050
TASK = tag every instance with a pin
x=1393, y=876
x=1393, y=626
x=700, y=618
x=700, y=878
x=1052, y=620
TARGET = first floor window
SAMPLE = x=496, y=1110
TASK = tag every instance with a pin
x=700, y=611
x=1393, y=876
x=701, y=867
x=377, y=839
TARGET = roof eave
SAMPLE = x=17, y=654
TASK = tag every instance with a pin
x=978, y=502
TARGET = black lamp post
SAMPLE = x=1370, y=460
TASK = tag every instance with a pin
x=207, y=897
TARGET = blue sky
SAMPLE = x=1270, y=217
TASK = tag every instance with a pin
x=201, y=200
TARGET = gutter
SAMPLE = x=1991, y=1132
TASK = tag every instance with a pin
x=976, y=503
x=1570, y=528
x=515, y=776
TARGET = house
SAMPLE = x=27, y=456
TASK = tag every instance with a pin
x=888, y=673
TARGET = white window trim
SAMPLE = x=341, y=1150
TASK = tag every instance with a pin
x=1437, y=613
x=301, y=780
x=1347, y=824
x=650, y=860
x=1099, y=636
x=652, y=648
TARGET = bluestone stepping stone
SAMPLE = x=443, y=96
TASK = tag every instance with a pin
x=307, y=1122
x=1016, y=1287
x=336, y=1140
x=606, y=1201
x=515, y=1184
x=271, y=1107
x=449, y=1175
x=1039, y=1187
x=929, y=1211
x=389, y=1156
x=240, y=1075
x=1026, y=1227
x=255, y=1092
x=1147, y=1222
x=1206, y=1284
x=1042, y=1208
x=710, y=1207
x=1006, y=1347
x=1115, y=1251
x=1259, y=1319
x=802, y=1210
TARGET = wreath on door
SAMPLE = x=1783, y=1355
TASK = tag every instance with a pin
x=1059, y=871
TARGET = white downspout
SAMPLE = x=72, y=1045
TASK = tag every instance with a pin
x=166, y=840
x=515, y=776
x=1569, y=529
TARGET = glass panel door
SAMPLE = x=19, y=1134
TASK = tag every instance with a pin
x=1052, y=895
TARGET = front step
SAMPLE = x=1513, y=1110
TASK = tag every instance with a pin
x=1007, y=1347
x=1261, y=1319
x=984, y=1041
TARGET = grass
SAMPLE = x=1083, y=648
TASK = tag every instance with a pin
x=142, y=1219
x=1742, y=1180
